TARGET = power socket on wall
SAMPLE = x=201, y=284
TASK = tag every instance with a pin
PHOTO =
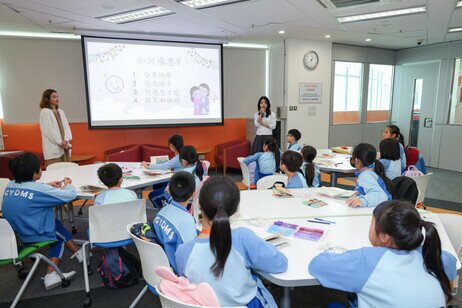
x=292, y=108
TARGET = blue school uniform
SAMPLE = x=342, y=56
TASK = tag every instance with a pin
x=173, y=163
x=29, y=208
x=371, y=188
x=115, y=195
x=317, y=174
x=383, y=277
x=294, y=146
x=392, y=168
x=402, y=157
x=174, y=226
x=266, y=164
x=166, y=195
x=238, y=286
x=297, y=181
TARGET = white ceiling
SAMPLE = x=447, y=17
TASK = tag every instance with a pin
x=254, y=21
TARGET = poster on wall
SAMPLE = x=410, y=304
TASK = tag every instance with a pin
x=310, y=93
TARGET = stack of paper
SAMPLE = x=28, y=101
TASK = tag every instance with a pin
x=157, y=172
x=335, y=192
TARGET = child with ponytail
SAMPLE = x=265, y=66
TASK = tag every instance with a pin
x=398, y=271
x=392, y=131
x=372, y=185
x=225, y=258
x=309, y=169
x=267, y=161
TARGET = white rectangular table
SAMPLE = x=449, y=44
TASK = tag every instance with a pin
x=335, y=164
x=351, y=231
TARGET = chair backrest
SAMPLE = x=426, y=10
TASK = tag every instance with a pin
x=108, y=222
x=245, y=171
x=167, y=302
x=452, y=223
x=127, y=153
x=422, y=183
x=151, y=256
x=268, y=181
x=206, y=164
x=61, y=165
x=405, y=188
x=3, y=183
x=7, y=241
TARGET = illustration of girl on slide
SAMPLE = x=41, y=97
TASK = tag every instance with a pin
x=200, y=99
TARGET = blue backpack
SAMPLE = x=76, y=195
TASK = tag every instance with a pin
x=119, y=268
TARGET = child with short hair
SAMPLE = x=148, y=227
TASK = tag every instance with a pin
x=28, y=206
x=173, y=224
x=291, y=162
x=293, y=135
x=395, y=271
x=111, y=176
x=225, y=258
x=267, y=162
x=175, y=143
x=392, y=131
x=389, y=157
x=309, y=169
x=372, y=186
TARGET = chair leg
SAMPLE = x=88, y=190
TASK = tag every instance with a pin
x=137, y=299
x=26, y=282
x=87, y=300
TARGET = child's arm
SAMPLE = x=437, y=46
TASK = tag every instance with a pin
x=348, y=271
x=61, y=195
x=252, y=158
x=374, y=194
x=449, y=264
x=165, y=166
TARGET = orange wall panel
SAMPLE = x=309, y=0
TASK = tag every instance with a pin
x=96, y=141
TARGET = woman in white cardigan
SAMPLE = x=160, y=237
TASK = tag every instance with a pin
x=56, y=133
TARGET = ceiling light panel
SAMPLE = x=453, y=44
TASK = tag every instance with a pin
x=200, y=4
x=141, y=14
x=385, y=14
x=459, y=3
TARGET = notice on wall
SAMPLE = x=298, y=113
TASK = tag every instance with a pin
x=310, y=93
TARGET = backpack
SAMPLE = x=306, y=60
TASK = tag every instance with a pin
x=412, y=156
x=412, y=171
x=405, y=189
x=119, y=268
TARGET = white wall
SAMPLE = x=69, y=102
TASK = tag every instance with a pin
x=29, y=66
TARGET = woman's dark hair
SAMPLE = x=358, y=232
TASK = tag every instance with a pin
x=24, y=167
x=219, y=199
x=402, y=222
x=389, y=149
x=176, y=141
x=110, y=174
x=295, y=133
x=268, y=104
x=189, y=154
x=367, y=154
x=309, y=154
x=45, y=101
x=292, y=160
x=272, y=145
x=394, y=130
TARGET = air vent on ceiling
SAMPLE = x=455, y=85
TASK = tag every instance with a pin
x=338, y=4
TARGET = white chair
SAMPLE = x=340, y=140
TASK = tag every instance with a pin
x=61, y=165
x=206, y=163
x=422, y=183
x=452, y=223
x=245, y=172
x=151, y=256
x=3, y=183
x=171, y=303
x=268, y=181
x=9, y=256
x=108, y=229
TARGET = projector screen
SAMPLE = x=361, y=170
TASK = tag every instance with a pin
x=152, y=83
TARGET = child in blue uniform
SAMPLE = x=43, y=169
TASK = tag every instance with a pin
x=293, y=135
x=111, y=176
x=224, y=258
x=175, y=143
x=392, y=131
x=389, y=157
x=398, y=271
x=267, y=161
x=372, y=186
x=173, y=224
x=28, y=206
x=309, y=169
x=291, y=162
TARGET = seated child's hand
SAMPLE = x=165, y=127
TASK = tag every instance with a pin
x=354, y=202
x=55, y=184
x=144, y=164
x=67, y=181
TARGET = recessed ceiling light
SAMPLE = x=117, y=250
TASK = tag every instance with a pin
x=281, y=32
x=368, y=40
x=458, y=29
x=199, y=4
x=459, y=3
x=327, y=36
x=146, y=13
x=385, y=14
